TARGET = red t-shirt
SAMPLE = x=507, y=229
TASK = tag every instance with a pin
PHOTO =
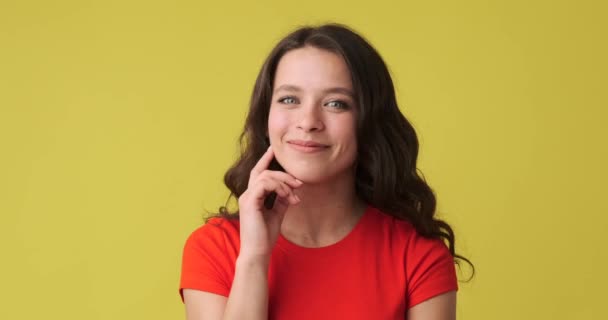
x=379, y=270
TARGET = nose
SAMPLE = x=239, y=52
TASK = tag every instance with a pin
x=310, y=118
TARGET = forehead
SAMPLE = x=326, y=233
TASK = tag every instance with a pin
x=312, y=69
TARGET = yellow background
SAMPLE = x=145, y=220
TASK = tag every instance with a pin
x=119, y=118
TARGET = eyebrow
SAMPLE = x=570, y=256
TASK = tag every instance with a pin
x=289, y=87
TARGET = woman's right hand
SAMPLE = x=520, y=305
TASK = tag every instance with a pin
x=260, y=226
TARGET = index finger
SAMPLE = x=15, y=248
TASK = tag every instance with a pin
x=263, y=163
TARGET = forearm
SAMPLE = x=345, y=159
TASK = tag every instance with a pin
x=248, y=297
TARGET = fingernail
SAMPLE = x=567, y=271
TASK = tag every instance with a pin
x=299, y=182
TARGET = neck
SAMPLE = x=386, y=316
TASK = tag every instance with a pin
x=327, y=213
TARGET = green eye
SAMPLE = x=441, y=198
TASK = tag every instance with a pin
x=337, y=104
x=287, y=100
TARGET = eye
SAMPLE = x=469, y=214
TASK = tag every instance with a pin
x=287, y=100
x=337, y=104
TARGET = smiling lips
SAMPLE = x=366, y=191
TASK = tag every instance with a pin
x=306, y=146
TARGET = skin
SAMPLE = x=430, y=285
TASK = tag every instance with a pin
x=316, y=202
x=312, y=100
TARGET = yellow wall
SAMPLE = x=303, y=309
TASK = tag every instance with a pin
x=118, y=119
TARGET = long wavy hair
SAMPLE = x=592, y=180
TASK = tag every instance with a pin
x=386, y=174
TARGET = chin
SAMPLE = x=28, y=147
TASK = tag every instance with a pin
x=306, y=175
x=313, y=171
x=311, y=174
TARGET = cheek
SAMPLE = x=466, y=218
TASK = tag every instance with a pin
x=277, y=124
x=345, y=131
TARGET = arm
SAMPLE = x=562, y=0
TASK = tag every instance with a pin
x=441, y=307
x=432, y=280
x=258, y=232
x=201, y=305
x=248, y=296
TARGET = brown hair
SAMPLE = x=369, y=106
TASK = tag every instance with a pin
x=386, y=174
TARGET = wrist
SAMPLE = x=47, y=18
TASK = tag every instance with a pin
x=247, y=259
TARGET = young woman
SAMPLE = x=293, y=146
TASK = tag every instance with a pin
x=334, y=221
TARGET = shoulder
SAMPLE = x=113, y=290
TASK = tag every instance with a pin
x=209, y=254
x=218, y=233
x=405, y=232
x=217, y=225
x=428, y=264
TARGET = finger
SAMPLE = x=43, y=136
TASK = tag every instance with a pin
x=283, y=191
x=293, y=199
x=267, y=192
x=262, y=164
x=281, y=203
x=290, y=195
x=284, y=177
x=264, y=187
x=280, y=190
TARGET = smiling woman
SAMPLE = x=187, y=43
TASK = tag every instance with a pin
x=311, y=126
x=334, y=221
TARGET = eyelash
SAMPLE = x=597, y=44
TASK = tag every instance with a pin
x=343, y=104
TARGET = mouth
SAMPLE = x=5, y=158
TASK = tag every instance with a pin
x=307, y=146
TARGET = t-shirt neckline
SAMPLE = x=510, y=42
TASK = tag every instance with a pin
x=290, y=247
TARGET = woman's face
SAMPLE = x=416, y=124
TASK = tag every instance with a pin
x=312, y=118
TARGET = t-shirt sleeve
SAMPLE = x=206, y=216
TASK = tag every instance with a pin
x=430, y=269
x=206, y=260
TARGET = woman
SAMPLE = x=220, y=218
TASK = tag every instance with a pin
x=334, y=221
